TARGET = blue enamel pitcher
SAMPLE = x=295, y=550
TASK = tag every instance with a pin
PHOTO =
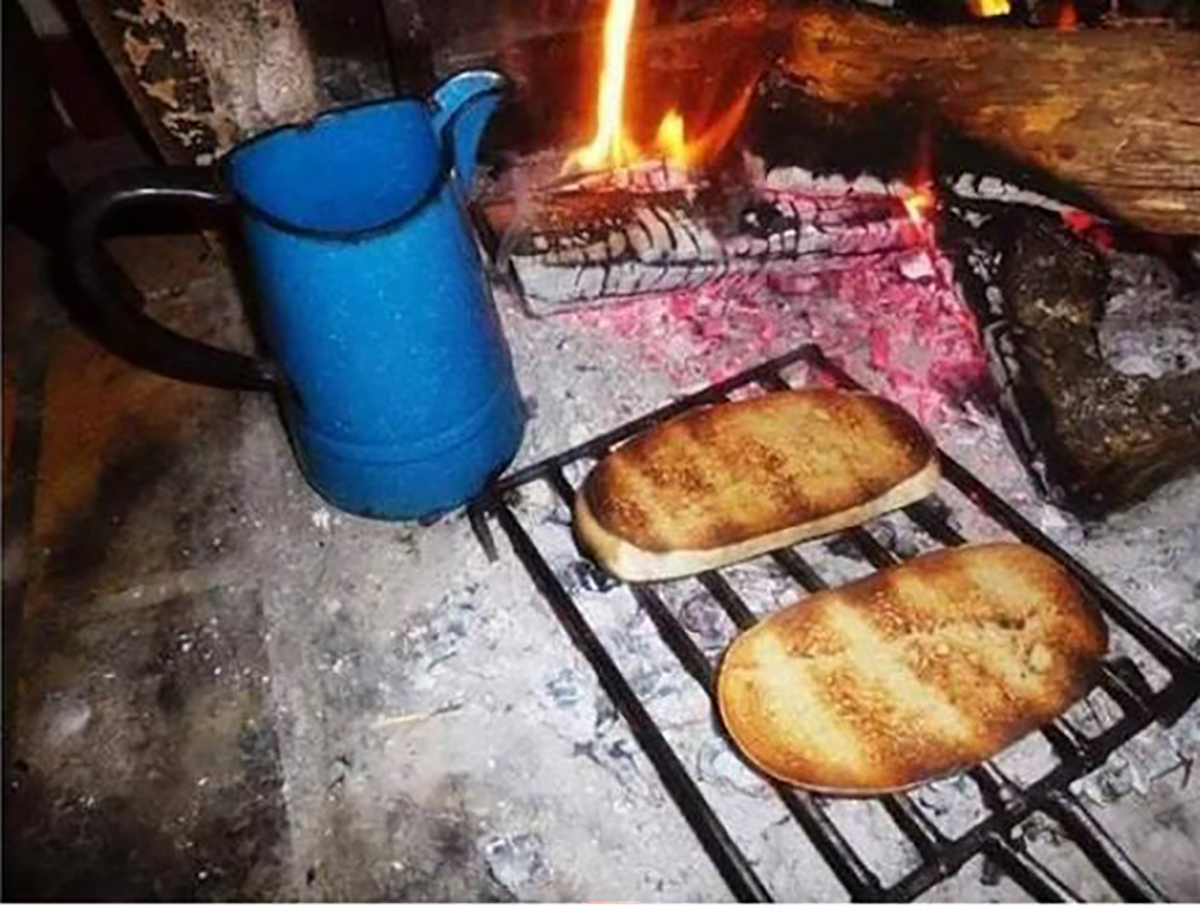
x=386, y=352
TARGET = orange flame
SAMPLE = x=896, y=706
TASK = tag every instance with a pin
x=671, y=140
x=612, y=146
x=1068, y=18
x=989, y=8
x=919, y=203
x=719, y=133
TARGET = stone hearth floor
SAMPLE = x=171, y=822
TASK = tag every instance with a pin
x=227, y=690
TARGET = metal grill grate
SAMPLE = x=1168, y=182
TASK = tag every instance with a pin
x=1007, y=802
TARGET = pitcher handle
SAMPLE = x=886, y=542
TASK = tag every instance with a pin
x=462, y=106
x=106, y=305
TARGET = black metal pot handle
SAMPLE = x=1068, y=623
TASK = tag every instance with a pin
x=115, y=317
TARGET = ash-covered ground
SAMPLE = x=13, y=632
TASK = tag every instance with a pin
x=426, y=731
x=432, y=695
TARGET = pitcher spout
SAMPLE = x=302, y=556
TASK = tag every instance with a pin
x=462, y=108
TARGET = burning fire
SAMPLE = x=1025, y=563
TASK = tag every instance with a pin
x=918, y=203
x=989, y=8
x=920, y=200
x=1068, y=18
x=612, y=146
x=670, y=139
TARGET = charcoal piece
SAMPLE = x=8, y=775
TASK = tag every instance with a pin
x=1105, y=439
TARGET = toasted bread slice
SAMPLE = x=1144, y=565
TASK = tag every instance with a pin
x=732, y=481
x=913, y=673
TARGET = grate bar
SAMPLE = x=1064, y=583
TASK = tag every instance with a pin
x=731, y=863
x=1067, y=742
x=799, y=570
x=774, y=382
x=737, y=610
x=690, y=655
x=829, y=841
x=916, y=826
x=713, y=394
x=1008, y=804
x=1030, y=873
x=859, y=881
x=561, y=486
x=1130, y=697
x=924, y=514
x=871, y=548
x=926, y=837
x=998, y=792
x=1117, y=867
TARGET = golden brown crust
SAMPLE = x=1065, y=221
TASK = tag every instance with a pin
x=734, y=480
x=631, y=563
x=912, y=673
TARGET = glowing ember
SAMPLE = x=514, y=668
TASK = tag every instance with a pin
x=989, y=8
x=1068, y=18
x=1089, y=227
x=919, y=199
x=919, y=203
x=1079, y=221
x=895, y=318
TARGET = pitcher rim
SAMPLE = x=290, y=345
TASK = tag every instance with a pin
x=440, y=177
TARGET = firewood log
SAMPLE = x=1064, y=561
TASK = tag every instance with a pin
x=1115, y=113
x=601, y=239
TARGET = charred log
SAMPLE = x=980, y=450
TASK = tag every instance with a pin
x=1097, y=438
x=601, y=241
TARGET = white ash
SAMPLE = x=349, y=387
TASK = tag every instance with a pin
x=977, y=882
x=876, y=838
x=643, y=176
x=515, y=862
x=573, y=706
x=762, y=585
x=699, y=613
x=1043, y=840
x=994, y=189
x=1156, y=756
x=488, y=714
x=954, y=804
x=1117, y=550
x=1027, y=760
x=717, y=764
x=1149, y=327
x=800, y=178
x=707, y=621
